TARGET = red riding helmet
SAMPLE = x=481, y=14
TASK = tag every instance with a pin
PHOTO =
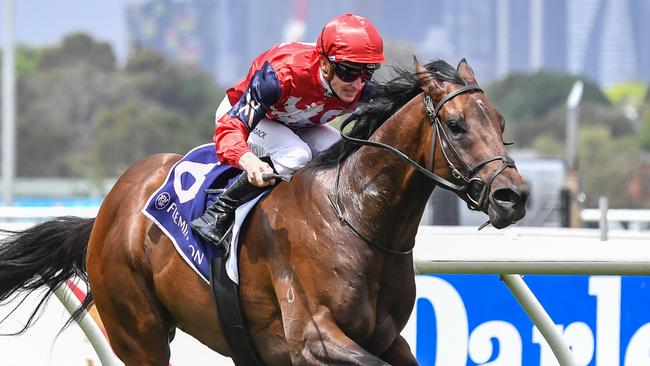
x=351, y=38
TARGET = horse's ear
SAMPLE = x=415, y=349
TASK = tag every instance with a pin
x=466, y=73
x=427, y=81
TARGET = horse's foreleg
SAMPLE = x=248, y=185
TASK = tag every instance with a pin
x=399, y=353
x=322, y=342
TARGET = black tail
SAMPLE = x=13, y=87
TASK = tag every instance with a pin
x=44, y=255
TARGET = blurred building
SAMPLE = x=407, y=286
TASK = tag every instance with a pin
x=639, y=11
x=602, y=42
x=184, y=30
x=471, y=34
x=606, y=40
x=245, y=28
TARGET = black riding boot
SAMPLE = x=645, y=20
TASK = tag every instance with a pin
x=213, y=225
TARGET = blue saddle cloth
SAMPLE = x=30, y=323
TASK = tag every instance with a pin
x=182, y=198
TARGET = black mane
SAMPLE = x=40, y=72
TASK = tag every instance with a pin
x=370, y=115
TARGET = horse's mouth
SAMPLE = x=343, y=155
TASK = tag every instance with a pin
x=504, y=216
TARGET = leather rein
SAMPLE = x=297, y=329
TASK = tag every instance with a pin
x=467, y=174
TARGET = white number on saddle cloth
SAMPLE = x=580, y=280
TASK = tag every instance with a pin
x=198, y=171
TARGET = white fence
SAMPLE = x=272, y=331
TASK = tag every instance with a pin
x=626, y=215
x=531, y=251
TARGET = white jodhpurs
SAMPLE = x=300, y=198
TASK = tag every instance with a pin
x=288, y=149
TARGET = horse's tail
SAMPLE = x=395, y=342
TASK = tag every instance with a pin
x=44, y=255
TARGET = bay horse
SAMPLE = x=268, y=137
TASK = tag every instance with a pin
x=325, y=261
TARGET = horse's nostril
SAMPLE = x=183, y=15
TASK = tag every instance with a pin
x=507, y=195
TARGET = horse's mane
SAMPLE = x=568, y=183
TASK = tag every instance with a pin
x=389, y=97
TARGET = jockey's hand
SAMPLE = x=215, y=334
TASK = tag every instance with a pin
x=255, y=168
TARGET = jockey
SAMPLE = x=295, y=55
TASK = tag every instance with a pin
x=275, y=119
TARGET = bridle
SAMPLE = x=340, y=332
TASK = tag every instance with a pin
x=471, y=186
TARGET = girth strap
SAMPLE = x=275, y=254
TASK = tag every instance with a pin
x=233, y=325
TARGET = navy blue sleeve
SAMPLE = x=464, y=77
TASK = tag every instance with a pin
x=369, y=90
x=262, y=92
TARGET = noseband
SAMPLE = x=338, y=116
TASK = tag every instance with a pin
x=471, y=186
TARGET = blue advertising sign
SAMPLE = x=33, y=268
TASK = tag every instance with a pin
x=468, y=320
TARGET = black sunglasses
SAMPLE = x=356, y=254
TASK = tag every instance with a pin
x=350, y=73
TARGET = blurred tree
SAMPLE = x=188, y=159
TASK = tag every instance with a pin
x=532, y=95
x=553, y=124
x=628, y=98
x=607, y=165
x=526, y=99
x=56, y=111
x=137, y=128
x=59, y=96
x=644, y=132
x=548, y=145
x=632, y=93
x=79, y=115
x=26, y=59
x=174, y=85
x=79, y=48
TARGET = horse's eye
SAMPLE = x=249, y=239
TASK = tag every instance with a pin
x=455, y=127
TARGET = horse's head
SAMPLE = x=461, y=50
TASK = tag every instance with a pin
x=467, y=147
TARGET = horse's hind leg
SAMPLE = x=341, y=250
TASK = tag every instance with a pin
x=137, y=325
x=120, y=271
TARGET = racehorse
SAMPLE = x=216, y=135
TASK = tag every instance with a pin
x=325, y=261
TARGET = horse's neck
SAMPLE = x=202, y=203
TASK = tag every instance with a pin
x=385, y=195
